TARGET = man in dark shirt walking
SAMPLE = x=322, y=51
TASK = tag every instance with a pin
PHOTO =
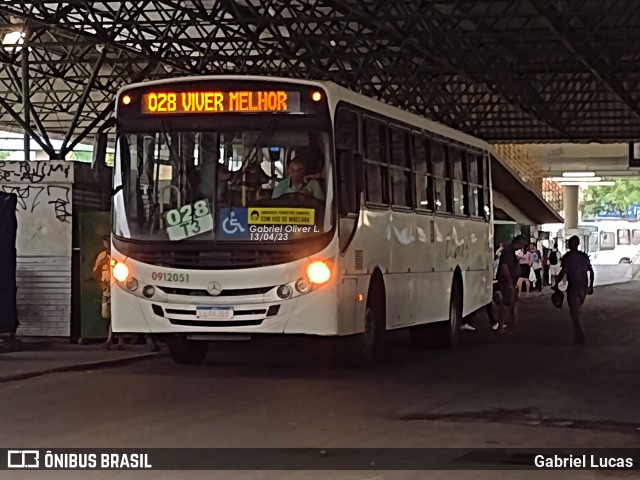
x=508, y=273
x=576, y=266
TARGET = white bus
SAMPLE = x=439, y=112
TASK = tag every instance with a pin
x=619, y=242
x=389, y=227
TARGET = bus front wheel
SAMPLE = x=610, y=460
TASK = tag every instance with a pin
x=368, y=348
x=187, y=351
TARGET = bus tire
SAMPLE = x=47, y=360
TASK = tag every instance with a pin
x=446, y=334
x=367, y=348
x=187, y=351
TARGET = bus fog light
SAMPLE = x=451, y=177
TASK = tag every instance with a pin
x=120, y=272
x=131, y=284
x=284, y=291
x=303, y=286
x=148, y=291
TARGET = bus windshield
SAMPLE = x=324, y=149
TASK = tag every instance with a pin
x=235, y=186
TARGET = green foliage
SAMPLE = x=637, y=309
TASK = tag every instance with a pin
x=82, y=156
x=615, y=199
x=4, y=155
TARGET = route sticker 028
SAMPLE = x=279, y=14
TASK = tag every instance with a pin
x=188, y=220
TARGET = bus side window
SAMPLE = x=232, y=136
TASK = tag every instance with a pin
x=460, y=181
x=347, y=141
x=440, y=175
x=624, y=237
x=607, y=241
x=422, y=167
x=635, y=237
x=400, y=167
x=475, y=184
x=346, y=131
x=376, y=170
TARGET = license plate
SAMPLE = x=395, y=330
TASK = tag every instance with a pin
x=214, y=312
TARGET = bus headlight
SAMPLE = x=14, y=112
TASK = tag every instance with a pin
x=318, y=272
x=120, y=272
x=131, y=284
x=284, y=291
x=303, y=286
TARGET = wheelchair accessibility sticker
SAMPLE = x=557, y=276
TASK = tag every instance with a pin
x=232, y=224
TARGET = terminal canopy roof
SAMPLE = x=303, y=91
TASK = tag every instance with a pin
x=502, y=70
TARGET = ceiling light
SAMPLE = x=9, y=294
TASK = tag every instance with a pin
x=579, y=174
x=585, y=180
x=13, y=40
x=589, y=184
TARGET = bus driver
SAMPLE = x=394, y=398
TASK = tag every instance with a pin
x=296, y=183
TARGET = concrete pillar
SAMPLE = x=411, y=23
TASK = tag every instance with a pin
x=26, y=101
x=571, y=206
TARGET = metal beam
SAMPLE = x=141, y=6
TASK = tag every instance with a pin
x=605, y=76
x=83, y=100
x=24, y=126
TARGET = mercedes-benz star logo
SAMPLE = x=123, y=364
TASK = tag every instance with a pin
x=214, y=288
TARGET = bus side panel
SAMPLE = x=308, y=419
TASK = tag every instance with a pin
x=347, y=305
x=410, y=258
x=432, y=298
x=475, y=263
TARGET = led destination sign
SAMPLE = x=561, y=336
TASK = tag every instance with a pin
x=210, y=101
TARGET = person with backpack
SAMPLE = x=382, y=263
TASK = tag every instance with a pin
x=554, y=264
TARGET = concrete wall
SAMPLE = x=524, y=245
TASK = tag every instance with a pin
x=43, y=244
x=610, y=274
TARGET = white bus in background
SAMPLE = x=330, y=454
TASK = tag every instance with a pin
x=588, y=234
x=396, y=231
x=619, y=242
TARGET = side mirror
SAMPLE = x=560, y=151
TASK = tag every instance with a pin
x=101, y=173
x=347, y=191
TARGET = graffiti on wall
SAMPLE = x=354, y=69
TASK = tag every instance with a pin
x=30, y=197
x=39, y=184
x=35, y=172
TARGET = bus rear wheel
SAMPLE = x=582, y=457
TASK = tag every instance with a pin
x=446, y=334
x=187, y=351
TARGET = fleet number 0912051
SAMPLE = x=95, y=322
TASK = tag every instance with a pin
x=170, y=277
